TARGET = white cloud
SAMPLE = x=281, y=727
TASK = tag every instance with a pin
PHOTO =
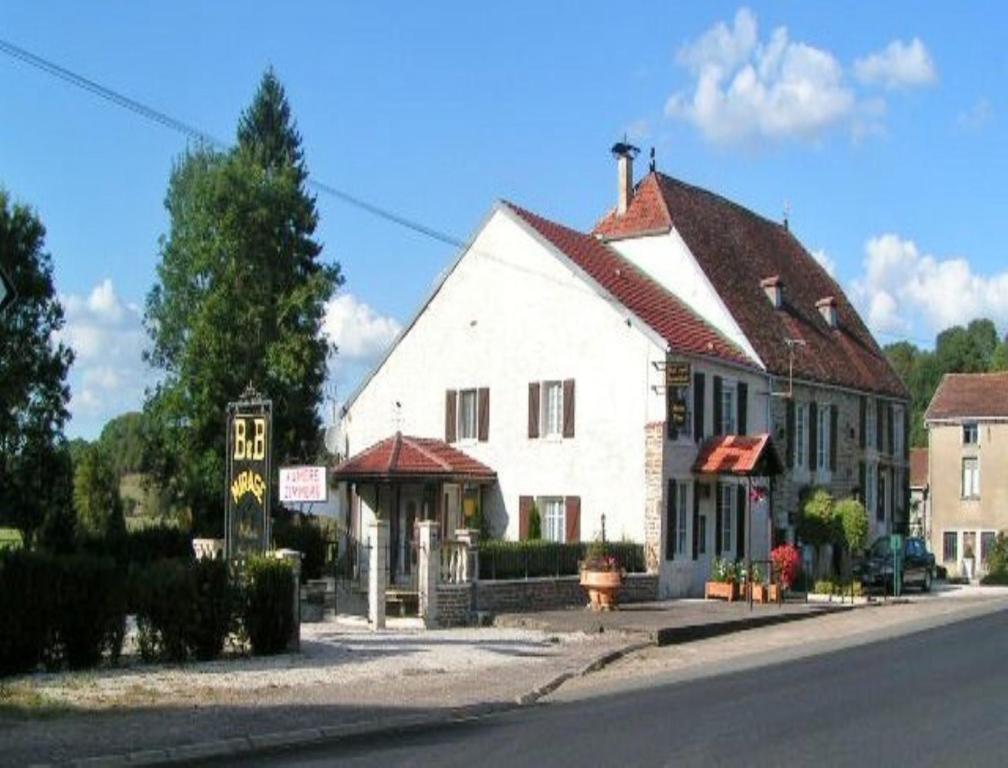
x=898, y=65
x=825, y=261
x=360, y=333
x=906, y=291
x=745, y=90
x=108, y=375
x=976, y=117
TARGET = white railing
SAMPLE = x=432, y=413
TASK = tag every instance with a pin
x=454, y=562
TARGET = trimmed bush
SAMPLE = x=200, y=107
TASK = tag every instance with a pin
x=308, y=538
x=158, y=542
x=269, y=609
x=27, y=585
x=90, y=615
x=184, y=609
x=531, y=559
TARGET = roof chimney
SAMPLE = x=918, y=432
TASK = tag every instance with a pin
x=624, y=154
x=773, y=286
x=828, y=309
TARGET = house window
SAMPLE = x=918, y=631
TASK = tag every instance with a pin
x=554, y=526
x=552, y=408
x=986, y=542
x=467, y=414
x=800, y=451
x=950, y=546
x=702, y=535
x=823, y=438
x=728, y=409
x=726, y=493
x=871, y=490
x=971, y=478
x=971, y=433
x=681, y=519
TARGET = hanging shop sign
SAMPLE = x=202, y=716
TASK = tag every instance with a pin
x=249, y=485
x=303, y=485
x=677, y=382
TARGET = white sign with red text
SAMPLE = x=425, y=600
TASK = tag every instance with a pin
x=303, y=484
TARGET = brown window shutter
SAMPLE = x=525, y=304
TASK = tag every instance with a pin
x=718, y=422
x=699, y=380
x=863, y=422
x=740, y=522
x=696, y=520
x=670, y=519
x=833, y=426
x=568, y=408
x=483, y=414
x=742, y=392
x=533, y=411
x=524, y=513
x=450, y=414
x=572, y=518
x=789, y=418
x=813, y=434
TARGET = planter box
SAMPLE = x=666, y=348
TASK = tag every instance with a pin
x=722, y=590
x=766, y=593
x=602, y=587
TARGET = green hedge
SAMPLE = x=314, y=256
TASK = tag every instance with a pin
x=62, y=610
x=531, y=559
x=184, y=609
x=268, y=610
x=142, y=547
x=308, y=538
x=995, y=578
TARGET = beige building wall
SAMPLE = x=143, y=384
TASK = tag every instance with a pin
x=967, y=518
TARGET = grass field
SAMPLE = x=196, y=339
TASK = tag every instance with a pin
x=10, y=538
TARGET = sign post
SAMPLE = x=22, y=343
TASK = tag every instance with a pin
x=7, y=292
x=249, y=475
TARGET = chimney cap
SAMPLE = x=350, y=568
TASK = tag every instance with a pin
x=773, y=281
x=624, y=149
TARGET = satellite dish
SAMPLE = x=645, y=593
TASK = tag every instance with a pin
x=334, y=439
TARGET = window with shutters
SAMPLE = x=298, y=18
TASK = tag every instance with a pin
x=467, y=414
x=971, y=433
x=800, y=448
x=823, y=437
x=870, y=424
x=681, y=511
x=728, y=423
x=726, y=508
x=554, y=524
x=552, y=409
x=971, y=477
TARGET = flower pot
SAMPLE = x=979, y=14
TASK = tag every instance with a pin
x=602, y=587
x=721, y=590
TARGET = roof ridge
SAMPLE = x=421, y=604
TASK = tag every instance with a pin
x=663, y=177
x=428, y=453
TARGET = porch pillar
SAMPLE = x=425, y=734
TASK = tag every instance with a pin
x=429, y=571
x=379, y=531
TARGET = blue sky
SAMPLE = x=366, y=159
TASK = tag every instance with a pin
x=880, y=124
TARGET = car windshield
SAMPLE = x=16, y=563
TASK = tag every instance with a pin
x=880, y=548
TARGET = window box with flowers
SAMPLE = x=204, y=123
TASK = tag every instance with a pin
x=601, y=576
x=724, y=581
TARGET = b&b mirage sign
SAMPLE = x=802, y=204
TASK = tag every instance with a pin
x=249, y=435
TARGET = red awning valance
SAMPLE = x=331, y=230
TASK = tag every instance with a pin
x=739, y=455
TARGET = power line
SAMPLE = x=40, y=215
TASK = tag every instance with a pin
x=167, y=121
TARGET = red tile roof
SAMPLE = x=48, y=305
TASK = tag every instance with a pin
x=918, y=467
x=738, y=455
x=966, y=395
x=404, y=457
x=665, y=314
x=737, y=250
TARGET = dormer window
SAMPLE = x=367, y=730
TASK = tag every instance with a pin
x=828, y=309
x=773, y=286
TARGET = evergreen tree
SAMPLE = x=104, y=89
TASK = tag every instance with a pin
x=96, y=495
x=240, y=298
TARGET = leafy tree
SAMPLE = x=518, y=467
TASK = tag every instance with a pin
x=122, y=440
x=96, y=494
x=33, y=370
x=854, y=522
x=240, y=298
x=999, y=360
x=817, y=522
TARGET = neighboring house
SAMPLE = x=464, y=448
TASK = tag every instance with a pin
x=920, y=519
x=618, y=373
x=967, y=423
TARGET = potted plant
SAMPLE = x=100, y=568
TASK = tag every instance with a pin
x=761, y=592
x=786, y=561
x=601, y=576
x=724, y=581
x=969, y=563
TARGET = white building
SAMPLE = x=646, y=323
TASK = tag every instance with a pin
x=544, y=354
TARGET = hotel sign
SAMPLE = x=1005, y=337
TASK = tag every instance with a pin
x=249, y=486
x=303, y=484
x=677, y=382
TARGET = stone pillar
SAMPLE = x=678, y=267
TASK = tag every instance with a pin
x=379, y=531
x=293, y=557
x=428, y=571
x=654, y=471
x=469, y=537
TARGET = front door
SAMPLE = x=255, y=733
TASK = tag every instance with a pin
x=705, y=543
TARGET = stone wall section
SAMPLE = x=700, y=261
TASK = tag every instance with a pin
x=654, y=482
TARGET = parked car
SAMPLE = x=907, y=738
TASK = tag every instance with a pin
x=917, y=568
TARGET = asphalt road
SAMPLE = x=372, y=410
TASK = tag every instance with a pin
x=933, y=698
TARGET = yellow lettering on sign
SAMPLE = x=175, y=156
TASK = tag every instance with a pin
x=239, y=439
x=259, y=446
x=248, y=482
x=246, y=449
